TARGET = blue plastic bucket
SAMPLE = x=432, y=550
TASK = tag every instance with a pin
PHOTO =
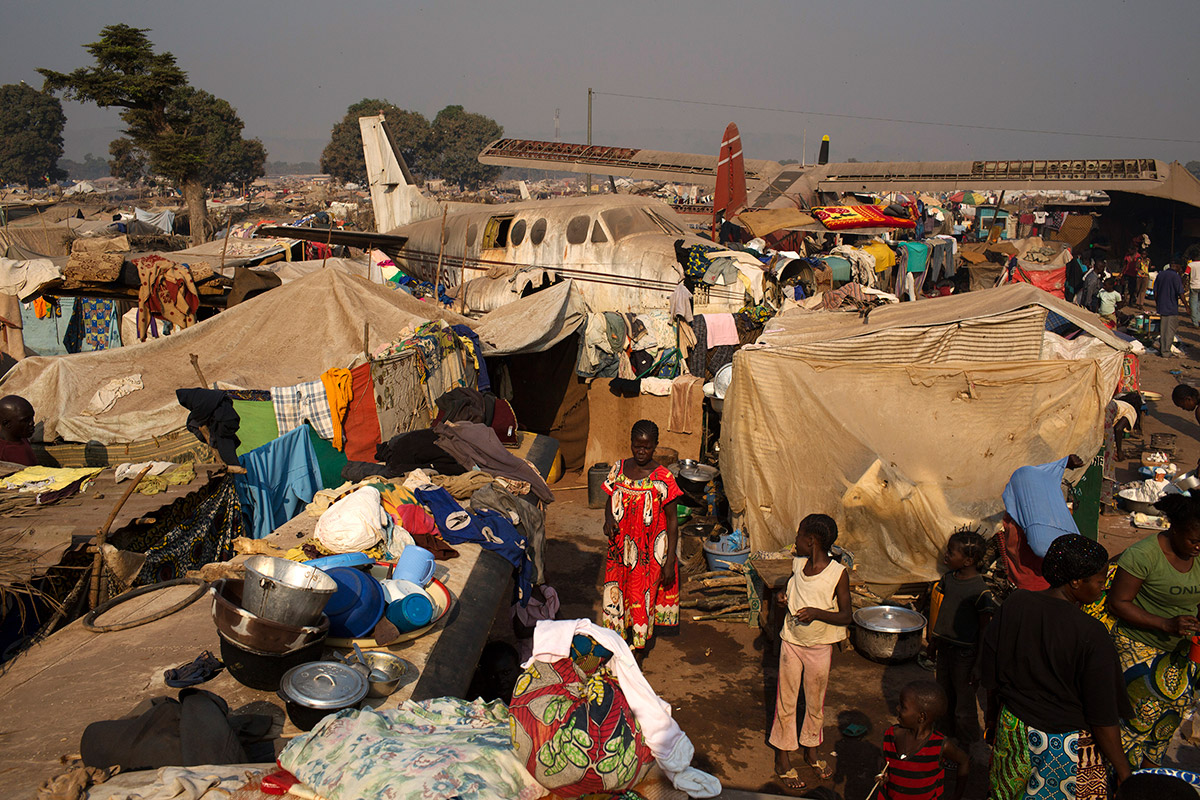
x=720, y=551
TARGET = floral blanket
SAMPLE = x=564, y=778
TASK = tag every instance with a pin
x=437, y=748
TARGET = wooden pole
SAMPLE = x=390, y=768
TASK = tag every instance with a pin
x=367, y=340
x=437, y=278
x=102, y=534
x=228, y=230
x=195, y=359
x=328, y=248
x=462, y=277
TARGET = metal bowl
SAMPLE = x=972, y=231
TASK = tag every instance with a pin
x=889, y=619
x=387, y=670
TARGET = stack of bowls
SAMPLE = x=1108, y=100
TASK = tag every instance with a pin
x=257, y=651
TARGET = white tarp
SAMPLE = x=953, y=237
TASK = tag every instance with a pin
x=533, y=324
x=279, y=338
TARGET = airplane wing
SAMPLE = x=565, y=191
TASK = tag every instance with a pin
x=364, y=240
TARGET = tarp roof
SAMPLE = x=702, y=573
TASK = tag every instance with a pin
x=533, y=324
x=279, y=338
x=798, y=327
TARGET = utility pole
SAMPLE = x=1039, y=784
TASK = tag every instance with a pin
x=589, y=141
x=557, y=136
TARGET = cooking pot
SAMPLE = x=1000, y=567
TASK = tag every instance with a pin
x=888, y=634
x=317, y=689
x=692, y=476
x=256, y=633
x=260, y=670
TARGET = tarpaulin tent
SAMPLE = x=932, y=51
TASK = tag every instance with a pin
x=279, y=338
x=908, y=426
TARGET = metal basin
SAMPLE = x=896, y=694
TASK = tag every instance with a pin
x=286, y=591
x=888, y=634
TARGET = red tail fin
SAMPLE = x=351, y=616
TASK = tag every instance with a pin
x=730, y=194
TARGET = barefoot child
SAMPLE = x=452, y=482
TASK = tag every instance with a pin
x=966, y=608
x=818, y=604
x=915, y=752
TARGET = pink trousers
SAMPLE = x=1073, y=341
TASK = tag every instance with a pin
x=807, y=668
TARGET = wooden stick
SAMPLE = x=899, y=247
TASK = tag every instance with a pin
x=737, y=580
x=328, y=248
x=196, y=365
x=437, y=278
x=367, y=340
x=742, y=609
x=102, y=534
x=228, y=230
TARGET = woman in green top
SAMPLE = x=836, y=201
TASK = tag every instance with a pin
x=1154, y=596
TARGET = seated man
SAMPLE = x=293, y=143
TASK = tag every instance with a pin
x=16, y=426
x=1035, y=515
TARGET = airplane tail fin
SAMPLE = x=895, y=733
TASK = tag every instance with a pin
x=394, y=195
x=823, y=157
x=730, y=194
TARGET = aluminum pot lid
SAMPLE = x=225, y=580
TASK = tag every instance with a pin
x=324, y=684
x=889, y=619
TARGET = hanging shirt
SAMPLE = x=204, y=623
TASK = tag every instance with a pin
x=281, y=479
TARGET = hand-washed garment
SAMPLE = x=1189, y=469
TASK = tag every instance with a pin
x=90, y=326
x=633, y=597
x=483, y=381
x=1034, y=498
x=617, y=332
x=440, y=748
x=338, y=392
x=18, y=453
x=529, y=519
x=48, y=479
x=112, y=391
x=167, y=291
x=490, y=529
x=354, y=523
x=672, y=749
x=417, y=449
x=721, y=330
x=681, y=303
x=256, y=423
x=462, y=404
x=476, y=445
x=918, y=256
x=281, y=479
x=361, y=429
x=684, y=391
x=304, y=402
x=884, y=257
x=213, y=409
x=410, y=517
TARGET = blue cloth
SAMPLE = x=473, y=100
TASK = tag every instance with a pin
x=490, y=529
x=281, y=478
x=1034, y=498
x=483, y=381
x=918, y=255
x=1168, y=288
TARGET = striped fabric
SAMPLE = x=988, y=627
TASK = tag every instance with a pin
x=919, y=776
x=294, y=405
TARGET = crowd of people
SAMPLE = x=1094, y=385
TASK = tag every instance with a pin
x=1085, y=665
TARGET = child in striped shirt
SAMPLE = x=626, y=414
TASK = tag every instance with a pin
x=915, y=752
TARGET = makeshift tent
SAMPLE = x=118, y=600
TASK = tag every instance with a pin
x=908, y=426
x=533, y=324
x=279, y=338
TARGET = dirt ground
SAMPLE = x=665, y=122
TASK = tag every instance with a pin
x=719, y=676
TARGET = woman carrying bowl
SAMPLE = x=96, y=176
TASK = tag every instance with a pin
x=1154, y=596
x=641, y=574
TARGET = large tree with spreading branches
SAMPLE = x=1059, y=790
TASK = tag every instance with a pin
x=187, y=136
x=31, y=142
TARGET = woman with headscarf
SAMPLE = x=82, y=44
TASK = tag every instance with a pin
x=1054, y=685
x=1154, y=596
x=641, y=574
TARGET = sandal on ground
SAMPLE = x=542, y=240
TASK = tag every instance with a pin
x=821, y=768
x=791, y=780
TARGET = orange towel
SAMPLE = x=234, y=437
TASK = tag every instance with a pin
x=338, y=390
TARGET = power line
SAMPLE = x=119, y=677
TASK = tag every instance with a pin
x=902, y=121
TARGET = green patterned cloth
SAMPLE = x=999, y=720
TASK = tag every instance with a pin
x=1161, y=687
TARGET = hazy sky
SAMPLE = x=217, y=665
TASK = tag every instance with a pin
x=291, y=69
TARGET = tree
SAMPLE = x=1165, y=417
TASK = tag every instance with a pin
x=456, y=138
x=31, y=143
x=128, y=161
x=91, y=167
x=343, y=156
x=188, y=136
x=1194, y=168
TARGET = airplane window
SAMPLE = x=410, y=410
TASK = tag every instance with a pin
x=517, y=234
x=577, y=229
x=472, y=232
x=624, y=222
x=496, y=232
x=598, y=233
x=538, y=232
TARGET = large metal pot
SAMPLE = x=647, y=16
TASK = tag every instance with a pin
x=286, y=591
x=888, y=634
x=257, y=633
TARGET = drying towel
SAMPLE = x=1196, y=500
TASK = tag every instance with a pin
x=722, y=330
x=108, y=394
x=304, y=401
x=338, y=391
x=361, y=430
x=671, y=747
x=683, y=400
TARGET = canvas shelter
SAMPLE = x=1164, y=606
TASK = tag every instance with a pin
x=909, y=425
x=279, y=338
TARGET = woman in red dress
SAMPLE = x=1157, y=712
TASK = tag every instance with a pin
x=641, y=574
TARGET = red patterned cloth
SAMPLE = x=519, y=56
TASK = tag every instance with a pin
x=576, y=733
x=632, y=596
x=841, y=218
x=167, y=292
